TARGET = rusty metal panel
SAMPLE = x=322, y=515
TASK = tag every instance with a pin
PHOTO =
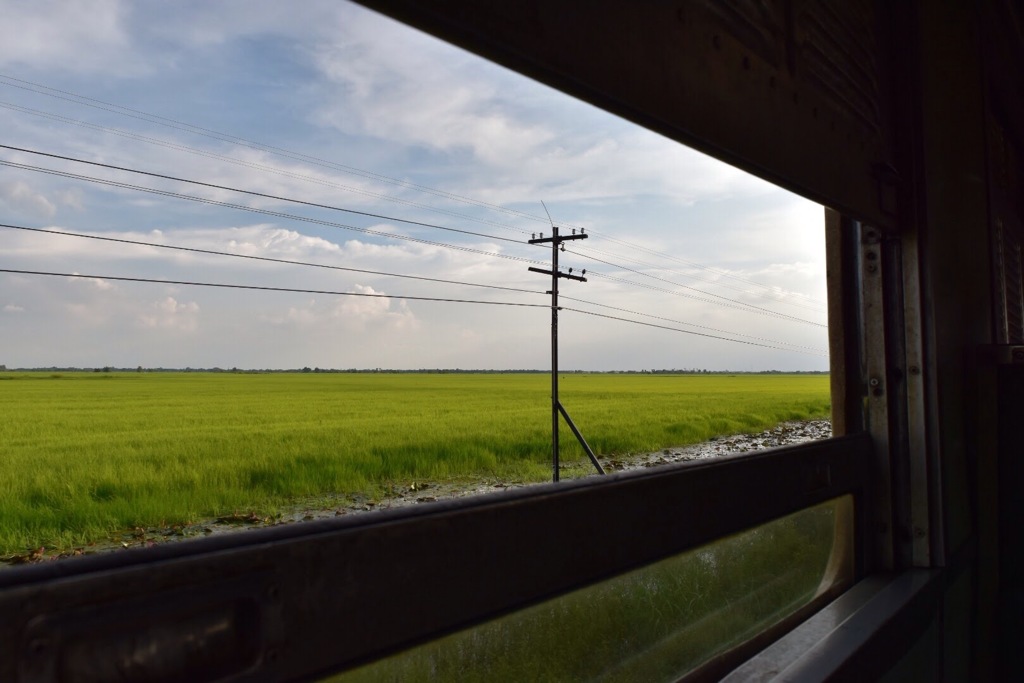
x=1009, y=285
x=839, y=54
x=1006, y=188
x=796, y=92
x=880, y=398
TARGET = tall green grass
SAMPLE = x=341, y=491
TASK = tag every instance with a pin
x=83, y=455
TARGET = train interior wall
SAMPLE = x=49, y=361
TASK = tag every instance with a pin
x=932, y=96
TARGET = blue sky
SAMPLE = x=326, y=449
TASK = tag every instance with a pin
x=328, y=103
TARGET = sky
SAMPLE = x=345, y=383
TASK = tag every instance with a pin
x=426, y=162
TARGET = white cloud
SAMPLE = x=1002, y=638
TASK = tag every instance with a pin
x=342, y=84
x=471, y=110
x=372, y=311
x=85, y=35
x=170, y=314
x=99, y=284
x=13, y=308
x=21, y=198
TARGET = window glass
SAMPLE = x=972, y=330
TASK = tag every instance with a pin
x=652, y=624
x=277, y=268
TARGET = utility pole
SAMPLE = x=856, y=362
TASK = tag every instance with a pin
x=556, y=241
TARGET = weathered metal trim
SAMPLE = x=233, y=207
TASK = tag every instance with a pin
x=879, y=396
x=842, y=253
x=922, y=463
x=855, y=638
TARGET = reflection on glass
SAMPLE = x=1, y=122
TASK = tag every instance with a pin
x=652, y=624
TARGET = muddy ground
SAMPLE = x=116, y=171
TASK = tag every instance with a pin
x=415, y=493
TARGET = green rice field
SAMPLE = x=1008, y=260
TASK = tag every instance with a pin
x=84, y=455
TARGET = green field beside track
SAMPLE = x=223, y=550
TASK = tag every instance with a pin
x=84, y=455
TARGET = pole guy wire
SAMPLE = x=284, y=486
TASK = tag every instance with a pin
x=557, y=241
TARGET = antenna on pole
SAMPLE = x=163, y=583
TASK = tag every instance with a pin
x=547, y=212
x=556, y=405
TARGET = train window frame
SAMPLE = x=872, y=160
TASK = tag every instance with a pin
x=266, y=604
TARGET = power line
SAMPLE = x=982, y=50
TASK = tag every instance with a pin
x=739, y=305
x=259, y=167
x=683, y=322
x=224, y=137
x=68, y=96
x=263, y=288
x=293, y=290
x=396, y=275
x=262, y=258
x=673, y=292
x=254, y=165
x=699, y=334
x=266, y=212
x=777, y=296
x=255, y=194
x=744, y=305
x=701, y=266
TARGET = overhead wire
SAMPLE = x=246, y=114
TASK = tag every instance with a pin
x=700, y=266
x=265, y=288
x=372, y=215
x=777, y=296
x=266, y=212
x=229, y=138
x=224, y=137
x=683, y=322
x=263, y=195
x=388, y=274
x=732, y=303
x=741, y=305
x=252, y=193
x=296, y=290
x=378, y=272
x=262, y=258
x=256, y=166
x=675, y=329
